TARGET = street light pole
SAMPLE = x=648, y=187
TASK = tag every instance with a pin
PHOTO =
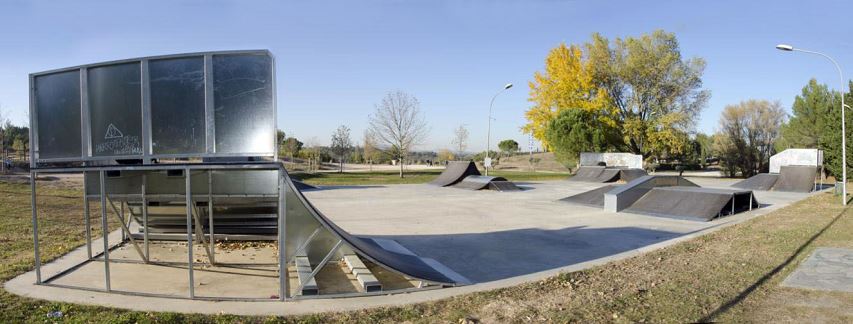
x=489, y=130
x=789, y=48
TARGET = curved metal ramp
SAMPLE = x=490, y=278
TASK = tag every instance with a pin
x=796, y=178
x=310, y=232
x=454, y=172
x=693, y=203
x=628, y=175
x=597, y=174
x=761, y=181
x=477, y=182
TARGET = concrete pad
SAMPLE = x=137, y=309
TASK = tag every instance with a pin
x=495, y=239
x=826, y=269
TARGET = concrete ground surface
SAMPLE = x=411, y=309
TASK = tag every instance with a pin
x=828, y=269
x=495, y=239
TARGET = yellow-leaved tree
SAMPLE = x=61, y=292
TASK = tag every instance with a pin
x=566, y=83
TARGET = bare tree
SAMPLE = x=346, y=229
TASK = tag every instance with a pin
x=746, y=136
x=398, y=123
x=371, y=149
x=460, y=140
x=341, y=144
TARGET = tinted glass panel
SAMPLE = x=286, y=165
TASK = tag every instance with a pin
x=177, y=105
x=115, y=108
x=243, y=99
x=57, y=106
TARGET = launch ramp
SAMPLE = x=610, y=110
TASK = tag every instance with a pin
x=693, y=203
x=454, y=172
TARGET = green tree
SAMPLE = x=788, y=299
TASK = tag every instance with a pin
x=291, y=146
x=508, y=146
x=810, y=115
x=575, y=131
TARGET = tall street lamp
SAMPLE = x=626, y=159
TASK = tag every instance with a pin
x=487, y=161
x=789, y=48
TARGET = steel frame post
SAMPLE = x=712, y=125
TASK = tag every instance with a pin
x=211, y=236
x=105, y=230
x=188, y=195
x=283, y=275
x=145, y=216
x=87, y=218
x=37, y=255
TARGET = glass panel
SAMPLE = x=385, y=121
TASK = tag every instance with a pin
x=243, y=99
x=57, y=107
x=115, y=110
x=177, y=105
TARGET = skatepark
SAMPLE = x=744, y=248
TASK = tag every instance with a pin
x=321, y=249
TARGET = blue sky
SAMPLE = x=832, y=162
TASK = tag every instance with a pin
x=335, y=60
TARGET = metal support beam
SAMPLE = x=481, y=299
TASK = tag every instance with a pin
x=37, y=256
x=145, y=240
x=87, y=218
x=199, y=232
x=106, y=231
x=321, y=264
x=301, y=248
x=188, y=195
x=127, y=230
x=283, y=276
x=210, y=231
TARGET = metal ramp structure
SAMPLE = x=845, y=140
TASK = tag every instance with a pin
x=602, y=174
x=667, y=196
x=454, y=172
x=791, y=178
x=156, y=155
x=464, y=175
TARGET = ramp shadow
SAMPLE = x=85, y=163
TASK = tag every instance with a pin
x=483, y=257
x=321, y=188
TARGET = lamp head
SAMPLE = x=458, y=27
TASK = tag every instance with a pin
x=507, y=86
x=785, y=47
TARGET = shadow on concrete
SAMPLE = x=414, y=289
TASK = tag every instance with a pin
x=483, y=257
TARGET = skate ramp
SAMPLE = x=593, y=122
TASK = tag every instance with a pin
x=620, y=198
x=629, y=175
x=594, y=198
x=478, y=182
x=795, y=178
x=693, y=203
x=303, y=219
x=597, y=174
x=761, y=181
x=454, y=172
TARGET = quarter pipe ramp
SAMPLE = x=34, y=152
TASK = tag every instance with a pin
x=791, y=178
x=477, y=182
x=602, y=174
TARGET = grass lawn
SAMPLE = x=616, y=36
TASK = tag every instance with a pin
x=419, y=176
x=731, y=275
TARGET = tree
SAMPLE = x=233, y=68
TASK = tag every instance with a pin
x=566, y=83
x=341, y=144
x=642, y=86
x=460, y=139
x=508, y=147
x=398, y=123
x=575, y=131
x=291, y=146
x=704, y=149
x=445, y=155
x=372, y=153
x=747, y=134
x=811, y=112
